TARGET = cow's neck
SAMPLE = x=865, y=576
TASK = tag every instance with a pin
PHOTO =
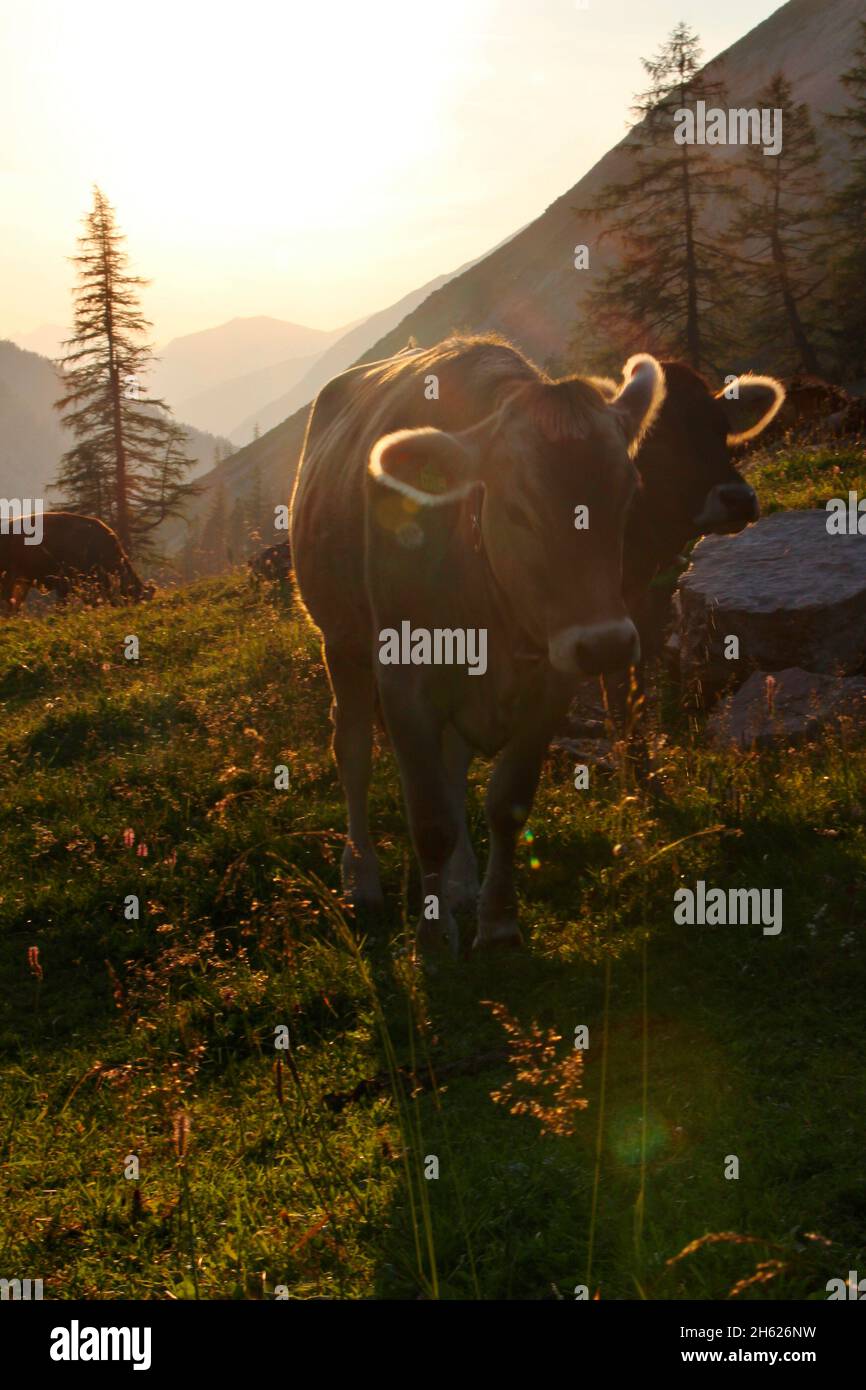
x=654, y=534
x=524, y=648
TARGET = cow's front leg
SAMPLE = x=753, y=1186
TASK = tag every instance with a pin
x=509, y=801
x=416, y=736
x=463, y=883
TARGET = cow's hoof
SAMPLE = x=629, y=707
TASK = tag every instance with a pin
x=365, y=902
x=431, y=937
x=493, y=934
x=361, y=884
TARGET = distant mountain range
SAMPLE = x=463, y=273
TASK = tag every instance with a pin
x=208, y=377
x=32, y=437
x=245, y=397
x=527, y=288
x=346, y=350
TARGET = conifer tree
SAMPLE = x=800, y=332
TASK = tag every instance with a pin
x=667, y=291
x=781, y=236
x=128, y=463
x=255, y=513
x=239, y=543
x=848, y=209
x=214, y=532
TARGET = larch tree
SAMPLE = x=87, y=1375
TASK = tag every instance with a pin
x=666, y=292
x=780, y=238
x=128, y=463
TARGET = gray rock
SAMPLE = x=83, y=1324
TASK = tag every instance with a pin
x=793, y=594
x=794, y=707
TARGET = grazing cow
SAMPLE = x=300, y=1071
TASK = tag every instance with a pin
x=440, y=510
x=273, y=564
x=74, y=549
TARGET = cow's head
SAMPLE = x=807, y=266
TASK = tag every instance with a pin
x=691, y=485
x=554, y=465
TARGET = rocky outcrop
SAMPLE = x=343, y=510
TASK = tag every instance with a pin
x=787, y=591
x=791, y=706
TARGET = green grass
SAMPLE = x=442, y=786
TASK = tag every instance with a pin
x=728, y=1042
x=805, y=476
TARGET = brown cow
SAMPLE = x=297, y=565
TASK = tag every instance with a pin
x=73, y=550
x=438, y=513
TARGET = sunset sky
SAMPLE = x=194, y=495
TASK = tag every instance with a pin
x=312, y=161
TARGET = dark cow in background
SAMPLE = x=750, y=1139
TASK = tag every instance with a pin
x=809, y=406
x=273, y=564
x=851, y=419
x=439, y=492
x=690, y=485
x=74, y=551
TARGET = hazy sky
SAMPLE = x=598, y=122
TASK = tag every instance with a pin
x=312, y=161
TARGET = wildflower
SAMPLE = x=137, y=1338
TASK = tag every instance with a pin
x=533, y=1057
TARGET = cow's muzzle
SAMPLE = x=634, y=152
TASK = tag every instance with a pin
x=595, y=649
x=728, y=507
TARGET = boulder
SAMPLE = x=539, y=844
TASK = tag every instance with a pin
x=789, y=706
x=791, y=593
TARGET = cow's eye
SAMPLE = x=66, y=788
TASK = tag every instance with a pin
x=517, y=516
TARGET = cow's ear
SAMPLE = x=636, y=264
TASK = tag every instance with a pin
x=757, y=400
x=431, y=466
x=640, y=399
